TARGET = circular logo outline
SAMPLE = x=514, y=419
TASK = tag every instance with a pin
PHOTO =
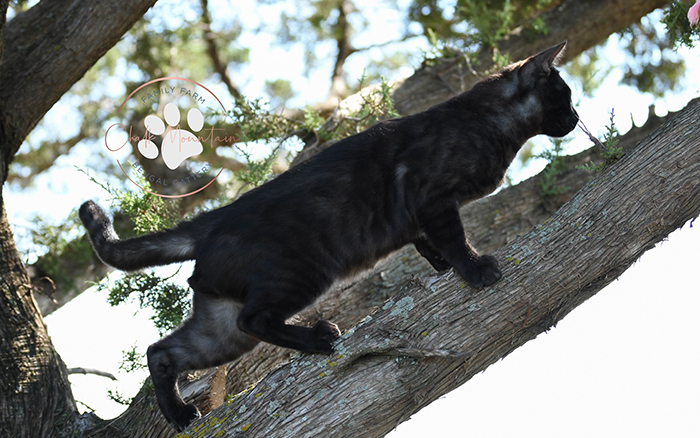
x=152, y=81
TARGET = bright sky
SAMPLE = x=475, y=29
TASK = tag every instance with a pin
x=622, y=364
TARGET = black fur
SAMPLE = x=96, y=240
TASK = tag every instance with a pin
x=275, y=250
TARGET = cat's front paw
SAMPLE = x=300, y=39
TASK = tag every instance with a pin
x=325, y=334
x=482, y=272
x=488, y=270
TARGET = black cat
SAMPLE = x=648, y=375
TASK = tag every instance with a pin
x=276, y=249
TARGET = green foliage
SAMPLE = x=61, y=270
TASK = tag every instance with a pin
x=118, y=397
x=258, y=123
x=258, y=170
x=611, y=152
x=439, y=49
x=492, y=19
x=169, y=302
x=472, y=23
x=500, y=60
x=677, y=25
x=312, y=120
x=589, y=70
x=279, y=90
x=555, y=166
x=147, y=212
x=655, y=68
x=377, y=104
x=132, y=361
x=168, y=42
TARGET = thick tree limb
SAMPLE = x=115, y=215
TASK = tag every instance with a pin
x=437, y=333
x=46, y=50
x=36, y=397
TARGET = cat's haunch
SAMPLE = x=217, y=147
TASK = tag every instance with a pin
x=276, y=249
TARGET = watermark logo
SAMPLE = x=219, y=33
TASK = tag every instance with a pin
x=173, y=126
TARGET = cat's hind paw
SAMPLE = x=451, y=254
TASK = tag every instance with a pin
x=185, y=417
x=325, y=334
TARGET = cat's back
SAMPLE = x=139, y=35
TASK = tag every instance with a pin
x=355, y=167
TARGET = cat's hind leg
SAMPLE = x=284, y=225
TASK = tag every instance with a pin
x=431, y=254
x=208, y=338
x=266, y=320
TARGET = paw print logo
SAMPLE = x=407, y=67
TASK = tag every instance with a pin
x=178, y=144
x=182, y=142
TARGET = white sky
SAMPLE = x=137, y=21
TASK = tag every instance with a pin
x=622, y=364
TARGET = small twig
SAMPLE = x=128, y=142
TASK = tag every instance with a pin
x=595, y=141
x=469, y=64
x=80, y=370
x=386, y=43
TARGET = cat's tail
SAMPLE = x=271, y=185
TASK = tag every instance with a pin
x=153, y=249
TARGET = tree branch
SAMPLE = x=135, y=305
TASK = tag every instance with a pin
x=36, y=397
x=213, y=51
x=47, y=49
x=555, y=267
x=80, y=370
x=339, y=90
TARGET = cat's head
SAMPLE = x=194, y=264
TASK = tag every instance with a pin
x=538, y=76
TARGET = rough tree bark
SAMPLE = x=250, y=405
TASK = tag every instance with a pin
x=36, y=397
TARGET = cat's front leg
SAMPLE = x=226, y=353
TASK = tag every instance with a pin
x=444, y=233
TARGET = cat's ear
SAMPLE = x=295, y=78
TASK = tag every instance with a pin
x=542, y=63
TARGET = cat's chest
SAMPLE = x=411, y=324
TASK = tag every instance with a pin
x=478, y=177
